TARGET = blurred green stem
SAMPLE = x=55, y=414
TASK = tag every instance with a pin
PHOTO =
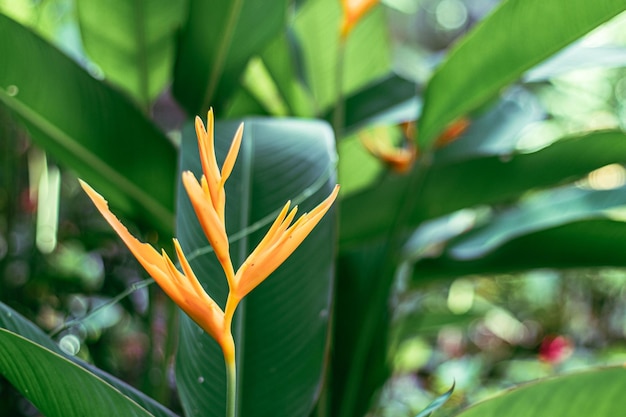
x=339, y=113
x=373, y=324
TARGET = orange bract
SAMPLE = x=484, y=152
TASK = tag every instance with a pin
x=208, y=197
x=183, y=288
x=279, y=242
x=399, y=159
x=452, y=132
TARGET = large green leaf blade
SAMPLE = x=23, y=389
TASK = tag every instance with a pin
x=516, y=36
x=281, y=328
x=133, y=42
x=216, y=43
x=598, y=393
x=88, y=126
x=16, y=323
x=57, y=386
x=359, y=365
x=282, y=60
x=564, y=228
x=483, y=180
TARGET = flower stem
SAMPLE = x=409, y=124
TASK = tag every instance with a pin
x=340, y=105
x=231, y=387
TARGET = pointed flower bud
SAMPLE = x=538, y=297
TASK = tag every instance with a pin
x=353, y=12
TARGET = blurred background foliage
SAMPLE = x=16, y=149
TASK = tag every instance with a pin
x=510, y=266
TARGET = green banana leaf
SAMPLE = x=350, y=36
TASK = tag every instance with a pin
x=132, y=42
x=564, y=228
x=84, y=124
x=448, y=187
x=281, y=328
x=215, y=45
x=57, y=386
x=359, y=362
x=13, y=322
x=598, y=393
x=283, y=60
x=515, y=37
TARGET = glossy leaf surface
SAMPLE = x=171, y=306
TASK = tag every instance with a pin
x=16, y=323
x=565, y=228
x=389, y=99
x=57, y=386
x=84, y=124
x=216, y=43
x=132, y=42
x=598, y=393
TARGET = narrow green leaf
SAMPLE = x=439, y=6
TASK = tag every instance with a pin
x=389, y=99
x=482, y=180
x=88, y=126
x=437, y=403
x=281, y=328
x=57, y=386
x=598, y=393
x=541, y=211
x=360, y=339
x=518, y=35
x=16, y=323
x=215, y=45
x=566, y=228
x=132, y=41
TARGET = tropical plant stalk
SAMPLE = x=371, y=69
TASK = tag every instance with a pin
x=231, y=388
x=340, y=106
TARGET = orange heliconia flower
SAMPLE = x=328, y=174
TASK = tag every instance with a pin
x=452, y=132
x=208, y=196
x=208, y=199
x=399, y=160
x=353, y=11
